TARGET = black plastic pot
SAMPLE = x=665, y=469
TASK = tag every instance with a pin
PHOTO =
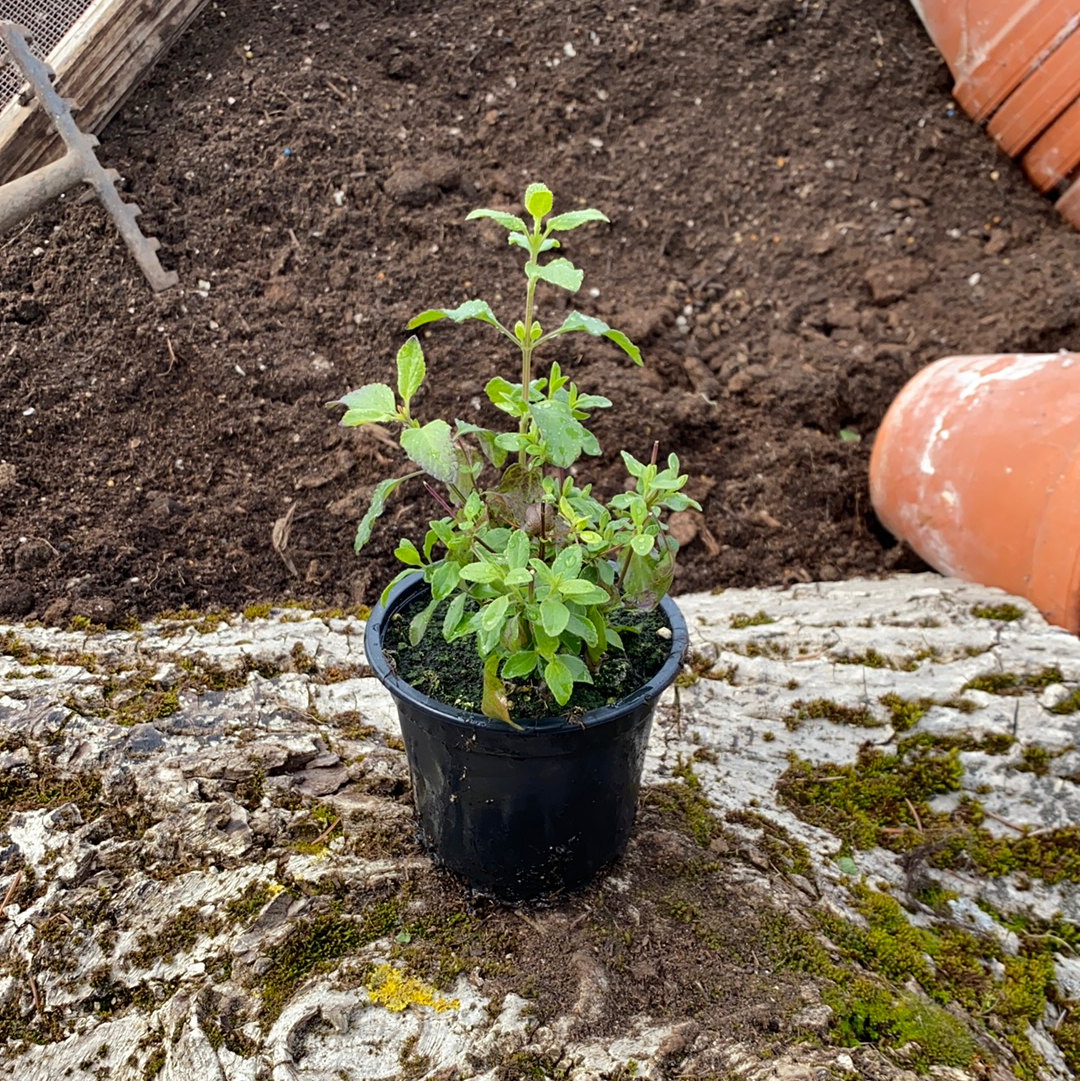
x=521, y=814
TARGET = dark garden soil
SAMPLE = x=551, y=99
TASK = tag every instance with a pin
x=799, y=222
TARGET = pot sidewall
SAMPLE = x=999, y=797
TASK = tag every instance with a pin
x=521, y=814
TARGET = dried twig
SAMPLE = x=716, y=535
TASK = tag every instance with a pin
x=529, y=920
x=11, y=891
x=1003, y=821
x=914, y=814
x=326, y=832
x=15, y=236
x=279, y=537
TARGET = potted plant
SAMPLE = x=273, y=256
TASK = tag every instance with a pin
x=529, y=637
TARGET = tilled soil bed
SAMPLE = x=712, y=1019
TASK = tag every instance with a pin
x=799, y=222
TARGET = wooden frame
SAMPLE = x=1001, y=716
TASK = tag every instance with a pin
x=101, y=59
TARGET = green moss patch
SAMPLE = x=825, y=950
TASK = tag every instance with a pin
x=890, y=982
x=882, y=799
x=826, y=709
x=1003, y=613
x=740, y=621
x=1013, y=683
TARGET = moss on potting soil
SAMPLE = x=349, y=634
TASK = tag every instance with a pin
x=453, y=672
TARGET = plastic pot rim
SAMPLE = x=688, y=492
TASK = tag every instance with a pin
x=467, y=721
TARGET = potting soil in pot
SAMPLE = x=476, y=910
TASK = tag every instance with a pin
x=453, y=672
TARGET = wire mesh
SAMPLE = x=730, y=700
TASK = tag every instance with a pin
x=48, y=21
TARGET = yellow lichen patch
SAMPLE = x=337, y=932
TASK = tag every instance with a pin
x=390, y=987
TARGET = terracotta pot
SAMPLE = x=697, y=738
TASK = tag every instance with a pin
x=992, y=46
x=1017, y=67
x=1041, y=98
x=977, y=467
x=1056, y=153
x=1068, y=206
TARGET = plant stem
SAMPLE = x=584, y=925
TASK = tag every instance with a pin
x=526, y=362
x=439, y=499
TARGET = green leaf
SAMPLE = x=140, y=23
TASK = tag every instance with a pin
x=495, y=703
x=577, y=589
x=513, y=635
x=500, y=217
x=511, y=441
x=847, y=865
x=561, y=433
x=599, y=329
x=592, y=401
x=554, y=615
x=522, y=241
x=454, y=611
x=557, y=676
x=543, y=573
x=538, y=201
x=419, y=623
x=576, y=667
x=546, y=645
x=486, y=637
x=492, y=615
x=573, y=218
x=401, y=575
x=560, y=272
x=486, y=438
x=520, y=664
x=642, y=544
x=520, y=576
x=518, y=550
x=481, y=572
x=678, y=501
x=471, y=309
x=849, y=435
x=583, y=629
x=407, y=553
x=443, y=528
x=375, y=508
x=633, y=466
x=410, y=369
x=432, y=448
x=567, y=563
x=444, y=580
x=505, y=395
x=372, y=404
